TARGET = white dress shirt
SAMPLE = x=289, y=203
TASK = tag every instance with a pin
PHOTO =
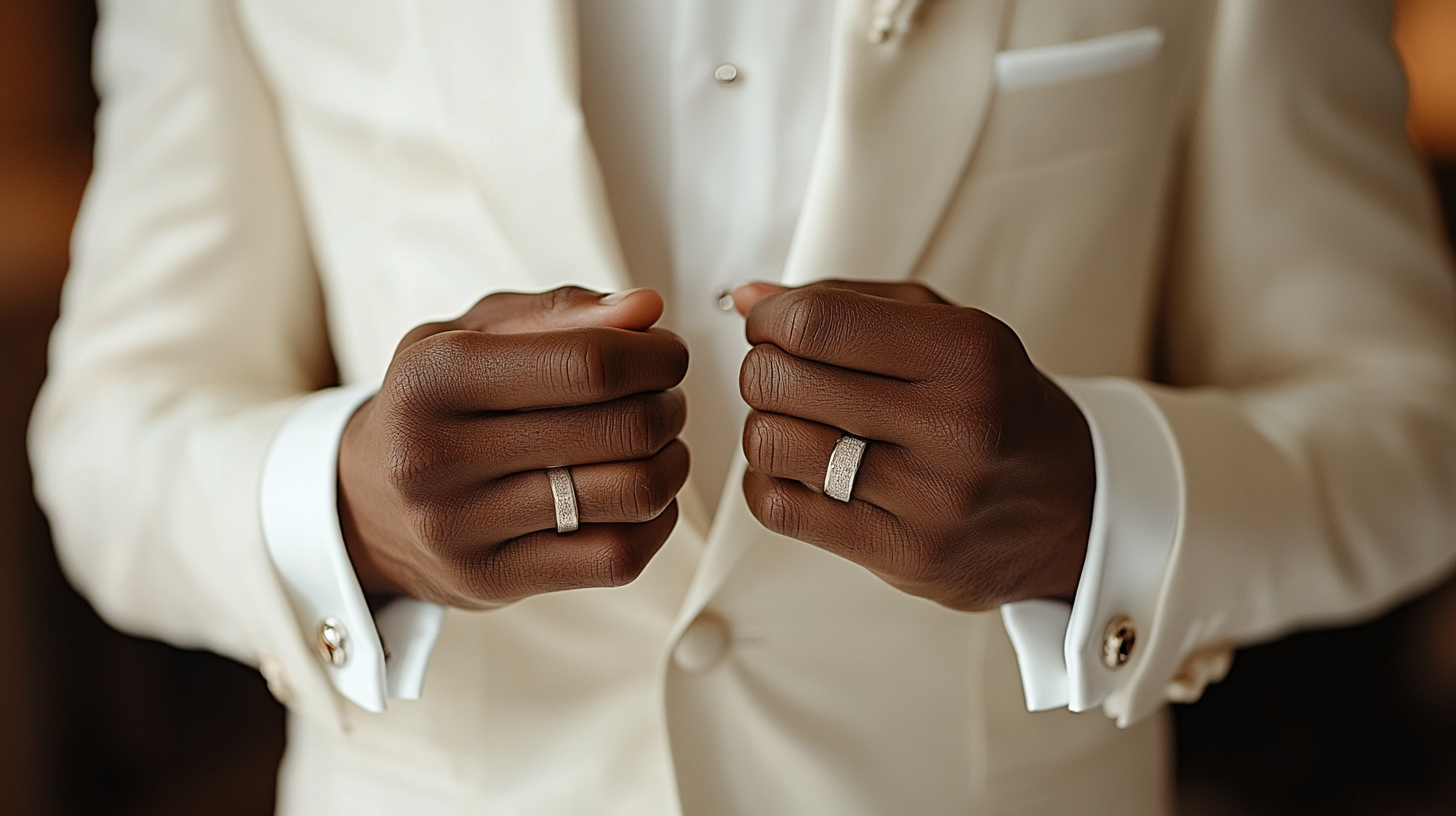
x=705, y=117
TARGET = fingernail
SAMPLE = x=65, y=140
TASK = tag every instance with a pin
x=617, y=297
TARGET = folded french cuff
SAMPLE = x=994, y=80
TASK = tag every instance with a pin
x=1038, y=630
x=299, y=505
x=1135, y=518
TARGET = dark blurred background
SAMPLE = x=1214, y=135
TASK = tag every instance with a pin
x=1355, y=721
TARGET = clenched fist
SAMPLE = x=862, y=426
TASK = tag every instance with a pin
x=976, y=487
x=443, y=494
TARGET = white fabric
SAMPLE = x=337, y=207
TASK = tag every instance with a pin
x=298, y=503
x=1064, y=62
x=1038, y=632
x=300, y=523
x=710, y=178
x=1134, y=523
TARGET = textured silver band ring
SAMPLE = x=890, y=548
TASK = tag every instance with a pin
x=843, y=467
x=563, y=493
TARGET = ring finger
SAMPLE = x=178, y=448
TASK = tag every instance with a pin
x=608, y=493
x=787, y=447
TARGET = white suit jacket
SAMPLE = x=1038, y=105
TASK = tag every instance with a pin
x=284, y=189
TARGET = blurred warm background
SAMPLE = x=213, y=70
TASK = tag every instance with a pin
x=1359, y=721
x=91, y=722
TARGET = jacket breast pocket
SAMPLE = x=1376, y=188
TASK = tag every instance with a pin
x=1056, y=101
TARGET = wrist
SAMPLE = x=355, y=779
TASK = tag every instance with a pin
x=1062, y=571
x=374, y=579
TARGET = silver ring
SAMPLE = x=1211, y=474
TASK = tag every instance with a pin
x=843, y=467
x=563, y=493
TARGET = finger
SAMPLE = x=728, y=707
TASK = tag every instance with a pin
x=745, y=295
x=867, y=405
x=466, y=371
x=596, y=555
x=906, y=291
x=566, y=307
x=857, y=530
x=471, y=450
x=788, y=448
x=908, y=341
x=610, y=493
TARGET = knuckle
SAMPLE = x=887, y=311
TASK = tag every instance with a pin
x=646, y=494
x=433, y=524
x=419, y=380
x=808, y=324
x=777, y=511
x=764, y=444
x=474, y=575
x=619, y=562
x=762, y=380
x=988, y=344
x=421, y=332
x=578, y=367
x=407, y=463
x=633, y=428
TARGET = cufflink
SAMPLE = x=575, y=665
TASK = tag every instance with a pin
x=333, y=642
x=1118, y=639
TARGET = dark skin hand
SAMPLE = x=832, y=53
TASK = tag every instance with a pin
x=976, y=487
x=443, y=494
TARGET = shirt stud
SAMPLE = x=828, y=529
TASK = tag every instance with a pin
x=726, y=73
x=333, y=642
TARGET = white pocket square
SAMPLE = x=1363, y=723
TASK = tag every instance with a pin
x=1048, y=64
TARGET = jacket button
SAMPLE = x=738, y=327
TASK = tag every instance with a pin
x=703, y=644
x=277, y=676
x=1118, y=639
x=333, y=642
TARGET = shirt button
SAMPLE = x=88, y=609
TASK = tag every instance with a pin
x=723, y=299
x=704, y=644
x=333, y=642
x=1118, y=639
x=726, y=73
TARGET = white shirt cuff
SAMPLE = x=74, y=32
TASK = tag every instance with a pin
x=299, y=505
x=1134, y=522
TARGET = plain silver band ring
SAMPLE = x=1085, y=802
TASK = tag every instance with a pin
x=563, y=493
x=843, y=467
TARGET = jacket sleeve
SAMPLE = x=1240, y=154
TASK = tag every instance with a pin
x=1307, y=349
x=191, y=325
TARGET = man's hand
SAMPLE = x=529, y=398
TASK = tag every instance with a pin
x=443, y=494
x=976, y=487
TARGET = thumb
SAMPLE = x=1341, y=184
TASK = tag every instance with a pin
x=750, y=293
x=568, y=307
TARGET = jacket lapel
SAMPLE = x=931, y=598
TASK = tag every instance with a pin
x=508, y=85
x=901, y=124
x=902, y=121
